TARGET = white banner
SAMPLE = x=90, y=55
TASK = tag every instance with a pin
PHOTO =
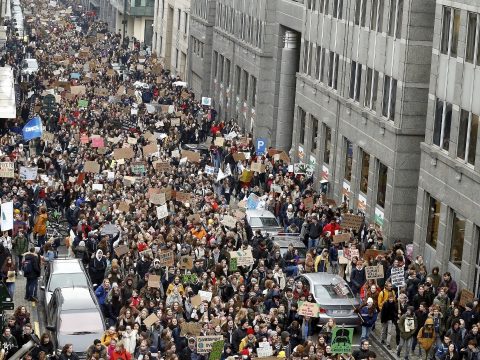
x=162, y=211
x=28, y=173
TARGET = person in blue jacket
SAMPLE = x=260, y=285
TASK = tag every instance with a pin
x=368, y=314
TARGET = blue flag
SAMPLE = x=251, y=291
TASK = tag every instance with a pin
x=33, y=129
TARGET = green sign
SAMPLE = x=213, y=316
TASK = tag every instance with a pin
x=138, y=168
x=233, y=264
x=342, y=339
x=217, y=350
x=189, y=278
x=83, y=103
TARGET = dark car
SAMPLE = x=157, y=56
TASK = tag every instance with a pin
x=74, y=317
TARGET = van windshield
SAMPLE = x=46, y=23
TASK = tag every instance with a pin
x=67, y=280
x=263, y=222
x=80, y=322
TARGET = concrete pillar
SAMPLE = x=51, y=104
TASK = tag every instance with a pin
x=286, y=96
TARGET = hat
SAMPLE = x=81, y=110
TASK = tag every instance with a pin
x=285, y=335
x=281, y=354
x=369, y=300
x=250, y=331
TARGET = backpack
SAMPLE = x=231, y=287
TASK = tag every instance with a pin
x=27, y=266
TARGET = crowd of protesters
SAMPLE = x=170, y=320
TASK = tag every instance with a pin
x=140, y=104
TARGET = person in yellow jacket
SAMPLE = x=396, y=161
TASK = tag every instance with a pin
x=426, y=336
x=110, y=334
x=176, y=285
x=321, y=261
x=248, y=341
x=385, y=293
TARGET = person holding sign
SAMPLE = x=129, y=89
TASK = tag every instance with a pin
x=368, y=315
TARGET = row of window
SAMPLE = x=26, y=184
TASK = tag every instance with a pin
x=197, y=46
x=467, y=131
x=382, y=170
x=246, y=27
x=182, y=25
x=360, y=15
x=200, y=8
x=245, y=84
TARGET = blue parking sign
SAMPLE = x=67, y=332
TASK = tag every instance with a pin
x=261, y=146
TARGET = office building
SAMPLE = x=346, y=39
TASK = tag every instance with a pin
x=447, y=230
x=170, y=34
x=340, y=84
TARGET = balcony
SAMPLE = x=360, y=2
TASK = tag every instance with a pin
x=135, y=7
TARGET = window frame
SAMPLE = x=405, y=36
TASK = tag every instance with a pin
x=467, y=140
x=391, y=99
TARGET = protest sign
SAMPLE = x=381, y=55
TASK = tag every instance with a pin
x=91, y=167
x=337, y=239
x=123, y=153
x=205, y=295
x=191, y=156
x=244, y=257
x=342, y=339
x=350, y=221
x=138, y=168
x=84, y=139
x=217, y=350
x=229, y=221
x=162, y=212
x=303, y=169
x=167, y=258
x=196, y=301
x=264, y=351
x=219, y=141
x=209, y=170
x=308, y=202
x=232, y=265
x=97, y=187
x=7, y=170
x=371, y=254
x=374, y=272
x=253, y=201
x=190, y=328
x=186, y=262
x=149, y=149
x=190, y=279
x=78, y=90
x=150, y=320
x=397, y=276
x=121, y=250
x=157, y=199
x=48, y=136
x=257, y=167
x=28, y=173
x=205, y=343
x=124, y=207
x=306, y=308
x=97, y=142
x=154, y=281
x=182, y=197
x=466, y=296
x=239, y=156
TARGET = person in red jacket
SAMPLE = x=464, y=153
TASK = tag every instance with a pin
x=331, y=227
x=120, y=353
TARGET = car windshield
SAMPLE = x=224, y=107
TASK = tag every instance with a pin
x=322, y=291
x=67, y=280
x=80, y=322
x=263, y=222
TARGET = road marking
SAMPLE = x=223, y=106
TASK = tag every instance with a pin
x=37, y=328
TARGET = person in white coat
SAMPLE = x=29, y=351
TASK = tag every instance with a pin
x=129, y=338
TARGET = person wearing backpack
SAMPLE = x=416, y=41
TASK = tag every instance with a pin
x=31, y=271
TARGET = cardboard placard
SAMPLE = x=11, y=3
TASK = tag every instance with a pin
x=78, y=90
x=217, y=350
x=98, y=142
x=191, y=328
x=306, y=308
x=350, y=221
x=48, y=136
x=7, y=170
x=205, y=343
x=196, y=301
x=167, y=258
x=150, y=320
x=123, y=153
x=282, y=156
x=91, y=167
x=308, y=202
x=239, y=156
x=124, y=207
x=101, y=92
x=162, y=166
x=257, y=167
x=371, y=254
x=121, y=250
x=466, y=296
x=28, y=173
x=374, y=272
x=182, y=197
x=229, y=221
x=219, y=141
x=337, y=239
x=139, y=168
x=157, y=199
x=186, y=262
x=244, y=257
x=205, y=295
x=191, y=156
x=397, y=276
x=162, y=212
x=149, y=149
x=154, y=281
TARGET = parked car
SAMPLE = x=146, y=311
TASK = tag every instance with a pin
x=64, y=273
x=29, y=66
x=264, y=221
x=203, y=149
x=284, y=240
x=325, y=290
x=74, y=317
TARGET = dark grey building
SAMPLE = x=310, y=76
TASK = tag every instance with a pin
x=447, y=228
x=340, y=84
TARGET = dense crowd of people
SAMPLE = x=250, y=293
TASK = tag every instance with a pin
x=116, y=159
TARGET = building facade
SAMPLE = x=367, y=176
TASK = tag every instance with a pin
x=447, y=227
x=340, y=84
x=170, y=34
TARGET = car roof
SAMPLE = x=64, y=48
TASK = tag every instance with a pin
x=66, y=266
x=323, y=278
x=259, y=213
x=78, y=298
x=283, y=243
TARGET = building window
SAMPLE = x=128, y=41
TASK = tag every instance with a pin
x=433, y=221
x=245, y=85
x=476, y=286
x=473, y=46
x=323, y=6
x=389, y=97
x=327, y=144
x=220, y=69
x=306, y=46
x=313, y=147
x=467, y=137
x=376, y=16
x=458, y=237
x=355, y=81
x=450, y=31
x=238, y=74
x=320, y=63
x=254, y=91
x=333, y=70
x=177, y=64
x=227, y=72
x=348, y=160
x=215, y=65
x=396, y=18
x=371, y=89
x=364, y=172
x=360, y=12
x=311, y=60
x=442, y=124
x=337, y=9
x=179, y=19
x=303, y=115
x=382, y=184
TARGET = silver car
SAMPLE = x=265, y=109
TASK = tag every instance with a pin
x=263, y=220
x=325, y=289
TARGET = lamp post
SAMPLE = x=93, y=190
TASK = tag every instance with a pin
x=124, y=18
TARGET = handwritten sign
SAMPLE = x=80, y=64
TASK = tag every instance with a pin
x=309, y=309
x=205, y=343
x=466, y=296
x=374, y=272
x=337, y=239
x=7, y=170
x=397, y=276
x=150, y=320
x=244, y=257
x=186, y=262
x=92, y=167
x=190, y=328
x=167, y=258
x=229, y=221
x=350, y=221
x=28, y=173
x=191, y=156
x=154, y=281
x=162, y=211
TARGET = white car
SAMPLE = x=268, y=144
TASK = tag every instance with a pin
x=29, y=66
